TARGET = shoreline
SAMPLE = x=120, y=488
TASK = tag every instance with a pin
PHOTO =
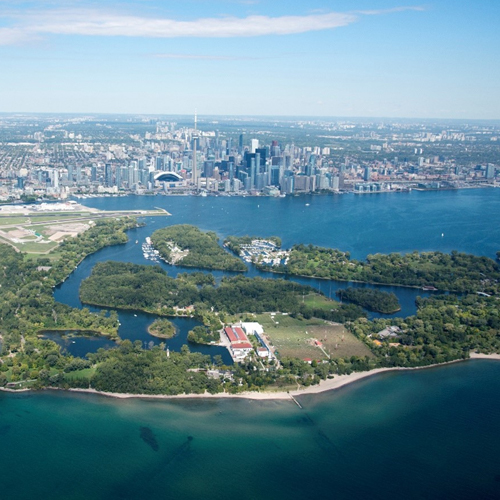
x=324, y=386
x=392, y=285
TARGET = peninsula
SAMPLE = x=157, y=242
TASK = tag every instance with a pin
x=454, y=272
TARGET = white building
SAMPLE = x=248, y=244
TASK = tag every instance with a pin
x=251, y=328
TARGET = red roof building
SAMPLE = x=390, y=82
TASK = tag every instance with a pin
x=242, y=345
x=235, y=334
x=230, y=334
x=240, y=333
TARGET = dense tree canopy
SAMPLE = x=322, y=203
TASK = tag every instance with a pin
x=204, y=249
x=132, y=286
x=458, y=272
x=28, y=308
x=370, y=298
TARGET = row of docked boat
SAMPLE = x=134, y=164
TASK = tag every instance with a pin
x=149, y=252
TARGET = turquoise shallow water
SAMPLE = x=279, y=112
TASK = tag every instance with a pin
x=431, y=433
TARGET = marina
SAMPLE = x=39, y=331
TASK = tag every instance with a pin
x=149, y=251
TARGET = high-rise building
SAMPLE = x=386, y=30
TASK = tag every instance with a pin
x=490, y=171
x=55, y=178
x=108, y=175
x=208, y=168
x=254, y=145
x=118, y=177
x=252, y=173
x=275, y=176
x=131, y=171
x=160, y=163
x=231, y=173
x=288, y=184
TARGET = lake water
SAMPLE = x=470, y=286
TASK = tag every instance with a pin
x=466, y=220
x=424, y=434
x=432, y=434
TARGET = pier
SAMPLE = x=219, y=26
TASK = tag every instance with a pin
x=296, y=402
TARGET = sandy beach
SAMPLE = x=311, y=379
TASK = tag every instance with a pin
x=477, y=355
x=325, y=385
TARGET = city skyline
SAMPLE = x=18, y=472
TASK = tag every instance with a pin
x=369, y=58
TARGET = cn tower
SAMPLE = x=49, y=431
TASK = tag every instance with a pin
x=194, y=173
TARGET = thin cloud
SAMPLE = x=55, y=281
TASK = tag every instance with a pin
x=34, y=25
x=202, y=28
x=202, y=57
x=390, y=11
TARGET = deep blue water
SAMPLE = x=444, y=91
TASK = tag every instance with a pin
x=361, y=225
x=423, y=434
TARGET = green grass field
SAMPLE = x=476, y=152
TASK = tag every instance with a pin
x=7, y=220
x=296, y=337
x=80, y=374
x=36, y=248
x=318, y=301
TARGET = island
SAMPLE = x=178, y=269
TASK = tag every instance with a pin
x=123, y=285
x=186, y=245
x=162, y=328
x=283, y=336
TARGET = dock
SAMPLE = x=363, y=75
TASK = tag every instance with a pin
x=296, y=402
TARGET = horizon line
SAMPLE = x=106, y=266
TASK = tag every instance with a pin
x=245, y=115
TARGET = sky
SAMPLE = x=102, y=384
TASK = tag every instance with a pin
x=332, y=58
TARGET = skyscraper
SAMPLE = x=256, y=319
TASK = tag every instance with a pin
x=368, y=174
x=490, y=171
x=240, y=144
x=108, y=175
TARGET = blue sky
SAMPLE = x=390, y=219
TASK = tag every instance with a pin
x=380, y=58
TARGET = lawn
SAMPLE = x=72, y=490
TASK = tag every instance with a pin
x=297, y=338
x=86, y=373
x=7, y=220
x=317, y=301
x=36, y=248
